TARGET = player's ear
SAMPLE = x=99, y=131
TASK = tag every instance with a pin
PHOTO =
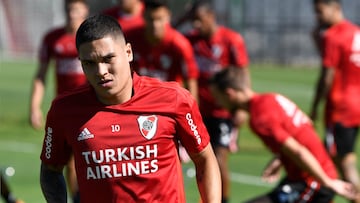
x=229, y=92
x=129, y=52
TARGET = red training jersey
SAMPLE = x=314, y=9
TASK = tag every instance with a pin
x=172, y=59
x=127, y=22
x=274, y=119
x=126, y=152
x=341, y=51
x=225, y=47
x=60, y=46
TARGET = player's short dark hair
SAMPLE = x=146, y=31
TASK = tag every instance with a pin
x=155, y=4
x=97, y=27
x=326, y=1
x=74, y=1
x=202, y=4
x=230, y=77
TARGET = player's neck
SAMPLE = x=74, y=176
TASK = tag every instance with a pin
x=213, y=30
x=339, y=17
x=71, y=29
x=134, y=10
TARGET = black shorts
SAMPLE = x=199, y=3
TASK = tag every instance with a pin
x=340, y=140
x=300, y=192
x=219, y=131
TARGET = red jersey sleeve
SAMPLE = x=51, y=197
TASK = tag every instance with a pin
x=45, y=50
x=55, y=149
x=331, y=52
x=190, y=68
x=238, y=50
x=190, y=128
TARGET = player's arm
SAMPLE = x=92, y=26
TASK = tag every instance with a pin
x=53, y=183
x=192, y=86
x=207, y=175
x=37, y=94
x=305, y=160
x=322, y=88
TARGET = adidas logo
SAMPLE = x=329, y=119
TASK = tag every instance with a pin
x=85, y=134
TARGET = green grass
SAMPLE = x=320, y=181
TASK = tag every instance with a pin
x=20, y=145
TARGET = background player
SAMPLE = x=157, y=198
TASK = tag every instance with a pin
x=339, y=85
x=216, y=47
x=162, y=52
x=59, y=45
x=289, y=134
x=6, y=193
x=124, y=129
x=129, y=14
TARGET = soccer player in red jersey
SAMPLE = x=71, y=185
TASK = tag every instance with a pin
x=215, y=48
x=59, y=45
x=289, y=134
x=162, y=52
x=129, y=14
x=339, y=85
x=124, y=129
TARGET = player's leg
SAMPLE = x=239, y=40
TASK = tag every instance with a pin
x=220, y=136
x=346, y=159
x=222, y=155
x=72, y=180
x=289, y=192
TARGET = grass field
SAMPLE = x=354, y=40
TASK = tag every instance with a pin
x=20, y=145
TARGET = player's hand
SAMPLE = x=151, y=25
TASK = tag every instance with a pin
x=272, y=171
x=36, y=119
x=19, y=201
x=345, y=189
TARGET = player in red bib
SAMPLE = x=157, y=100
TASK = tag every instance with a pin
x=216, y=47
x=310, y=173
x=162, y=52
x=58, y=45
x=129, y=14
x=123, y=129
x=339, y=85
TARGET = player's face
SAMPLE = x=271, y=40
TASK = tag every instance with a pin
x=156, y=22
x=76, y=13
x=203, y=21
x=325, y=12
x=106, y=65
x=127, y=5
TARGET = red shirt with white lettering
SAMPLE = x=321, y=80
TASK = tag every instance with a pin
x=60, y=46
x=341, y=52
x=127, y=22
x=126, y=152
x=274, y=119
x=225, y=47
x=172, y=59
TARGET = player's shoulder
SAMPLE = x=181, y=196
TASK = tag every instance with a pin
x=54, y=32
x=74, y=97
x=160, y=89
x=111, y=11
x=229, y=34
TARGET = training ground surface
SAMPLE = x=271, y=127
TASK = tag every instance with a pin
x=20, y=145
